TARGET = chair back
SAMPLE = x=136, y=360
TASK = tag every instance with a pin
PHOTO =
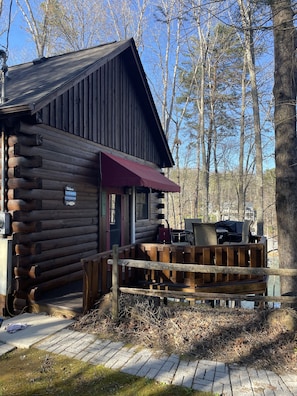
x=204, y=234
x=189, y=222
x=245, y=236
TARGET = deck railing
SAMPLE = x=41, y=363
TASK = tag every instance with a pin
x=97, y=279
x=177, y=269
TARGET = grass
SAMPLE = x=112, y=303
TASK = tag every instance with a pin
x=33, y=372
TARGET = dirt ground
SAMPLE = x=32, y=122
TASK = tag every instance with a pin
x=260, y=338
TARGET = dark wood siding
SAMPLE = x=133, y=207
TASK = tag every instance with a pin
x=146, y=230
x=48, y=235
x=105, y=108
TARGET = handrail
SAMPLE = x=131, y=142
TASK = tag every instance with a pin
x=213, y=265
x=205, y=269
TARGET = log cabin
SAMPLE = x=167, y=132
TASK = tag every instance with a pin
x=82, y=159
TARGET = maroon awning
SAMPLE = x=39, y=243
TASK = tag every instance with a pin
x=120, y=172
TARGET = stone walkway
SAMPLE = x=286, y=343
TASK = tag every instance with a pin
x=53, y=335
x=203, y=375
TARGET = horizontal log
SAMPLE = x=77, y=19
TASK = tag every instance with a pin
x=50, y=153
x=19, y=305
x=59, y=252
x=23, y=283
x=147, y=233
x=47, y=263
x=68, y=223
x=58, y=262
x=26, y=227
x=205, y=269
x=36, y=292
x=53, y=165
x=68, y=241
x=23, y=250
x=20, y=204
x=63, y=148
x=32, y=272
x=80, y=203
x=30, y=162
x=27, y=140
x=58, y=272
x=68, y=213
x=25, y=184
x=53, y=160
x=57, y=141
x=34, y=194
x=56, y=233
x=60, y=185
x=44, y=194
x=21, y=294
x=206, y=296
x=51, y=257
x=41, y=173
x=146, y=228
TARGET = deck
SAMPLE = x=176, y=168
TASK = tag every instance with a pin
x=186, y=269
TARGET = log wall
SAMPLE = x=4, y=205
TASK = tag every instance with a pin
x=146, y=230
x=50, y=238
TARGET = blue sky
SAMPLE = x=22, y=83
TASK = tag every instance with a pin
x=20, y=46
x=22, y=49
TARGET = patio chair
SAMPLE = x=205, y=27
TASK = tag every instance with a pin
x=189, y=222
x=204, y=234
x=245, y=234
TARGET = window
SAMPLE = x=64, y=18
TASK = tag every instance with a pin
x=142, y=207
x=112, y=208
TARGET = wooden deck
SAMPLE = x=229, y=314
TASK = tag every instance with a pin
x=181, y=274
x=66, y=301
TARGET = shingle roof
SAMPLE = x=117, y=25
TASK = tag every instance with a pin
x=29, y=84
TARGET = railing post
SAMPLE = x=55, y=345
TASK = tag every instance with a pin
x=115, y=286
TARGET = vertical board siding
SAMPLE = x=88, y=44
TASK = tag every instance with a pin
x=105, y=108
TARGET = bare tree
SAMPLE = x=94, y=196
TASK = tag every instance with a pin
x=246, y=17
x=77, y=24
x=285, y=137
x=37, y=17
x=127, y=18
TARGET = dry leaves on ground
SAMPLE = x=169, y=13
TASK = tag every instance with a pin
x=230, y=335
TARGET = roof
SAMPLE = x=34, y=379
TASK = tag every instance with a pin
x=31, y=86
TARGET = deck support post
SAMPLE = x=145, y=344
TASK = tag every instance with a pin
x=115, y=285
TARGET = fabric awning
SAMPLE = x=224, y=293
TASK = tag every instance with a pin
x=121, y=172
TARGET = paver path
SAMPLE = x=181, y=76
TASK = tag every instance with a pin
x=203, y=375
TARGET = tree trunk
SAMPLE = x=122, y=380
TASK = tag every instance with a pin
x=250, y=58
x=285, y=138
x=241, y=173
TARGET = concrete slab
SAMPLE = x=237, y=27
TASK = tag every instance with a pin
x=5, y=348
x=39, y=326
